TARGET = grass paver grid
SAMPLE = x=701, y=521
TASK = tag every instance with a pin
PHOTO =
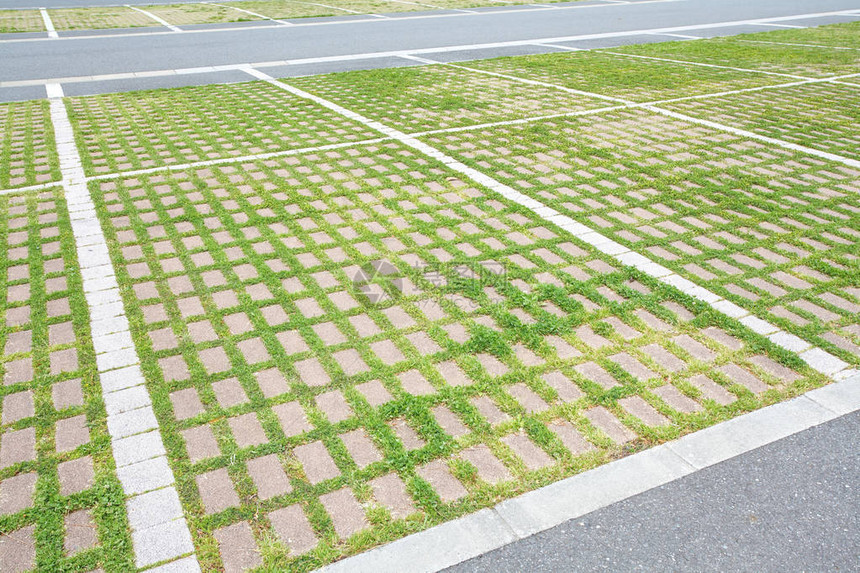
x=269, y=373
x=820, y=116
x=616, y=75
x=835, y=35
x=21, y=21
x=122, y=132
x=27, y=152
x=737, y=51
x=767, y=228
x=61, y=506
x=99, y=18
x=184, y=14
x=437, y=97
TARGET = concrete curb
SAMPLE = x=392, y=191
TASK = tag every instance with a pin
x=475, y=534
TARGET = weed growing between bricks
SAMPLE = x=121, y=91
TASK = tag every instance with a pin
x=61, y=506
x=297, y=412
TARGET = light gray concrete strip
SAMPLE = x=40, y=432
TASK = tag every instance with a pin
x=579, y=495
x=433, y=549
x=723, y=441
x=137, y=448
x=842, y=398
x=554, y=504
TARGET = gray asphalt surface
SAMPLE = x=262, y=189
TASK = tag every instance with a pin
x=58, y=58
x=793, y=505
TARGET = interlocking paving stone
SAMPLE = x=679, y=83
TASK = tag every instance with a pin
x=80, y=531
x=711, y=390
x=75, y=475
x=603, y=420
x=293, y=529
x=216, y=490
x=17, y=446
x=390, y=492
x=18, y=550
x=200, y=443
x=247, y=430
x=437, y=474
x=528, y=399
x=345, y=512
x=360, y=448
x=16, y=493
x=532, y=456
x=636, y=406
x=237, y=546
x=317, y=462
x=676, y=400
x=449, y=422
x=269, y=476
x=743, y=377
x=490, y=469
x=571, y=438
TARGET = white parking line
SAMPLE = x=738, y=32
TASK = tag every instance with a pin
x=248, y=12
x=702, y=64
x=796, y=44
x=136, y=443
x=682, y=36
x=49, y=24
x=434, y=6
x=688, y=118
x=155, y=18
x=339, y=9
x=778, y=25
x=816, y=358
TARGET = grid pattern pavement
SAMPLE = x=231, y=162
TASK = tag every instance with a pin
x=342, y=346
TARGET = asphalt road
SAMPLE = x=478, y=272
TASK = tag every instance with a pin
x=793, y=505
x=55, y=58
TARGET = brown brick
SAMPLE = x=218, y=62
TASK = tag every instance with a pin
x=571, y=438
x=18, y=550
x=216, y=491
x=76, y=475
x=636, y=406
x=186, y=404
x=269, y=476
x=81, y=531
x=71, y=433
x=229, y=392
x=293, y=529
x=247, y=430
x=237, y=546
x=532, y=456
x=390, y=492
x=16, y=493
x=603, y=420
x=676, y=400
x=18, y=406
x=361, y=448
x=528, y=398
x=292, y=417
x=317, y=462
x=437, y=474
x=346, y=513
x=490, y=469
x=200, y=443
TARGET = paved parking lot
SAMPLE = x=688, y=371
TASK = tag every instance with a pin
x=279, y=322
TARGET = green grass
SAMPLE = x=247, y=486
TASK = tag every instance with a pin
x=695, y=200
x=138, y=130
x=836, y=35
x=739, y=51
x=258, y=224
x=636, y=79
x=824, y=117
x=28, y=155
x=38, y=250
x=99, y=18
x=21, y=21
x=438, y=97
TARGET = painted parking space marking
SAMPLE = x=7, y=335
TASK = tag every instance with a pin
x=155, y=18
x=49, y=24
